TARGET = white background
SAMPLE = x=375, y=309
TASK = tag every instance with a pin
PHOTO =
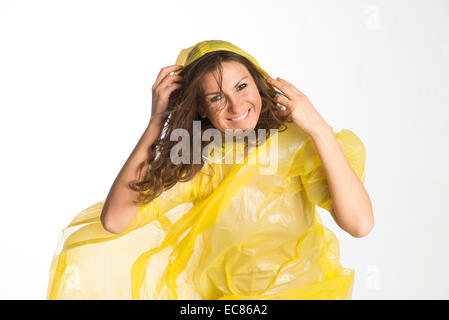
x=75, y=97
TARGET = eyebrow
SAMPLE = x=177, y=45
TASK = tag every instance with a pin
x=234, y=87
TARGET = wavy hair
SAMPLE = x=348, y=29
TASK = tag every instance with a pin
x=183, y=108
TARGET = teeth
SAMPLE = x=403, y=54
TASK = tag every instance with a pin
x=241, y=117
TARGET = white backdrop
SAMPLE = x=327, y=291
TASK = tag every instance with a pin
x=75, y=97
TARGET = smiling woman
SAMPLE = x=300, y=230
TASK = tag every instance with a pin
x=238, y=103
x=213, y=93
x=217, y=230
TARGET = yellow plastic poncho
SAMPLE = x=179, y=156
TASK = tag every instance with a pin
x=247, y=230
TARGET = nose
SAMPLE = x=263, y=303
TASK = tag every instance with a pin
x=234, y=105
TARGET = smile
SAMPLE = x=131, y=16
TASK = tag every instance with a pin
x=242, y=117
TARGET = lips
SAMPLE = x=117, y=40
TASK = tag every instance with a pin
x=242, y=117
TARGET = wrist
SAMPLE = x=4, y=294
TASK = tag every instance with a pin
x=155, y=122
x=321, y=132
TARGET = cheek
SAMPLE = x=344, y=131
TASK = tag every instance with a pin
x=254, y=95
x=256, y=100
x=217, y=118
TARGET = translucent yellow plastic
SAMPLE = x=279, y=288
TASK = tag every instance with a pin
x=229, y=233
x=190, y=54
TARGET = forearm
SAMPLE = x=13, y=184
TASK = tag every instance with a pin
x=119, y=209
x=352, y=209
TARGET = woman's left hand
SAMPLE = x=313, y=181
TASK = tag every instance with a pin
x=303, y=113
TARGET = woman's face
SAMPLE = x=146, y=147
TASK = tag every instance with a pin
x=240, y=104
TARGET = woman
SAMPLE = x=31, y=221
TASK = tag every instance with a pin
x=179, y=226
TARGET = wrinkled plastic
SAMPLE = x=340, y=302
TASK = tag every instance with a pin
x=229, y=233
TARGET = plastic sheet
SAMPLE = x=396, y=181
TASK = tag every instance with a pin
x=229, y=233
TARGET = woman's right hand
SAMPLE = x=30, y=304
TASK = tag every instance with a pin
x=162, y=88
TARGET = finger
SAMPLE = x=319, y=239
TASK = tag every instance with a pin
x=280, y=93
x=169, y=79
x=166, y=93
x=285, y=82
x=163, y=74
x=289, y=85
x=280, y=85
x=172, y=79
x=281, y=110
x=174, y=84
x=283, y=101
x=164, y=71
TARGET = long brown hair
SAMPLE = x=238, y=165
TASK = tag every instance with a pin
x=182, y=110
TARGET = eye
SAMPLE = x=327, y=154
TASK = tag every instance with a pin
x=213, y=99
x=242, y=85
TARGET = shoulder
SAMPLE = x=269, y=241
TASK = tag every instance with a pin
x=349, y=141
